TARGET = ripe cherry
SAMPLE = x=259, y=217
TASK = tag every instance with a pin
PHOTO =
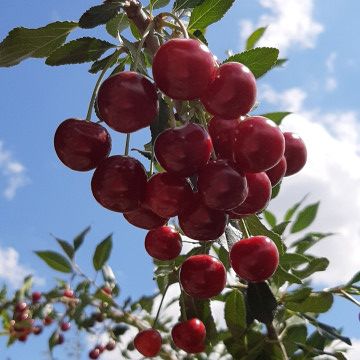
x=21, y=307
x=183, y=68
x=37, y=330
x=254, y=259
x=48, y=320
x=59, y=339
x=184, y=150
x=295, y=153
x=166, y=193
x=107, y=290
x=148, y=342
x=199, y=222
x=23, y=337
x=127, y=102
x=111, y=345
x=190, y=335
x=81, y=145
x=65, y=326
x=232, y=93
x=36, y=296
x=202, y=276
x=94, y=353
x=163, y=243
x=258, y=197
x=101, y=348
x=119, y=183
x=68, y=293
x=276, y=173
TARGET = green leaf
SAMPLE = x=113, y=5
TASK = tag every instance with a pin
x=305, y=218
x=79, y=51
x=254, y=38
x=308, y=241
x=79, y=239
x=295, y=333
x=133, y=49
x=276, y=117
x=270, y=218
x=68, y=248
x=161, y=121
x=102, y=253
x=208, y=12
x=315, y=265
x=280, y=62
x=117, y=24
x=354, y=279
x=235, y=313
x=22, y=43
x=223, y=255
x=99, y=14
x=282, y=275
x=102, y=63
x=258, y=60
x=280, y=228
x=275, y=190
x=55, y=260
x=298, y=295
x=186, y=4
x=289, y=214
x=294, y=259
x=158, y=4
x=319, y=302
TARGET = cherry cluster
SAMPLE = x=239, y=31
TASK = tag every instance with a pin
x=220, y=170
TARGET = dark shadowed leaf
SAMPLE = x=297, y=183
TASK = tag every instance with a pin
x=305, y=218
x=102, y=63
x=255, y=37
x=99, y=14
x=68, y=248
x=55, y=260
x=161, y=122
x=102, y=253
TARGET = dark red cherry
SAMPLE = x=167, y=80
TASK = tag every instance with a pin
x=48, y=320
x=127, y=102
x=182, y=151
x=258, y=144
x=295, y=153
x=183, y=68
x=232, y=93
x=81, y=145
x=94, y=353
x=199, y=222
x=101, y=348
x=37, y=330
x=166, y=193
x=59, y=339
x=148, y=342
x=111, y=345
x=221, y=186
x=145, y=218
x=68, y=293
x=202, y=276
x=65, y=326
x=163, y=243
x=36, y=296
x=23, y=338
x=276, y=173
x=189, y=335
x=254, y=259
x=118, y=184
x=258, y=197
x=21, y=307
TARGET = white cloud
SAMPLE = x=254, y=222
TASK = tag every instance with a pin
x=330, y=84
x=330, y=62
x=330, y=81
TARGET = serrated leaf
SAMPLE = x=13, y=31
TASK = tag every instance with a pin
x=293, y=259
x=277, y=117
x=298, y=295
x=79, y=51
x=315, y=265
x=22, y=43
x=269, y=217
x=117, y=24
x=258, y=60
x=305, y=218
x=255, y=37
x=102, y=253
x=133, y=50
x=308, y=241
x=235, y=313
x=315, y=303
x=100, y=14
x=208, y=12
x=282, y=275
x=55, y=260
x=68, y=248
x=280, y=228
x=79, y=239
x=102, y=63
x=186, y=4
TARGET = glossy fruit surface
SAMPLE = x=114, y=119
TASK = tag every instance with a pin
x=81, y=145
x=276, y=173
x=221, y=186
x=258, y=144
x=182, y=151
x=189, y=335
x=127, y=102
x=202, y=276
x=94, y=354
x=118, y=184
x=68, y=293
x=148, y=342
x=36, y=296
x=163, y=243
x=295, y=153
x=21, y=307
x=199, y=222
x=166, y=193
x=183, y=68
x=65, y=326
x=111, y=345
x=232, y=93
x=254, y=259
x=258, y=196
x=145, y=218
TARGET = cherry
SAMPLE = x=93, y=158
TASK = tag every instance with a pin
x=221, y=186
x=258, y=144
x=21, y=307
x=184, y=150
x=127, y=102
x=111, y=345
x=60, y=339
x=65, y=326
x=118, y=184
x=189, y=335
x=81, y=145
x=148, y=342
x=144, y=218
x=36, y=296
x=107, y=290
x=258, y=197
x=295, y=153
x=276, y=173
x=166, y=193
x=183, y=68
x=101, y=348
x=232, y=93
x=163, y=243
x=254, y=259
x=48, y=320
x=68, y=293
x=37, y=330
x=94, y=353
x=199, y=222
x=23, y=338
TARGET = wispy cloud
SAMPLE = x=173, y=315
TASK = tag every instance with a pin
x=330, y=81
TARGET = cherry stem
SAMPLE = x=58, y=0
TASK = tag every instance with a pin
x=273, y=335
x=152, y=161
x=179, y=22
x=161, y=303
x=127, y=145
x=243, y=228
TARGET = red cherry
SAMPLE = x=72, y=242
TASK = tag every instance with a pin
x=111, y=345
x=107, y=290
x=183, y=68
x=202, y=276
x=127, y=102
x=81, y=145
x=23, y=338
x=276, y=173
x=199, y=222
x=189, y=335
x=232, y=93
x=221, y=186
x=295, y=153
x=148, y=342
x=163, y=243
x=36, y=296
x=68, y=293
x=183, y=150
x=37, y=330
x=144, y=218
x=254, y=259
x=21, y=307
x=166, y=193
x=65, y=326
x=118, y=184
x=60, y=339
x=258, y=144
x=101, y=348
x=94, y=353
x=48, y=320
x=258, y=197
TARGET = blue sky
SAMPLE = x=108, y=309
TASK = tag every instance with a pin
x=39, y=196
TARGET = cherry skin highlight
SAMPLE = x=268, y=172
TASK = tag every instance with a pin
x=144, y=218
x=189, y=336
x=94, y=353
x=295, y=153
x=276, y=173
x=148, y=342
